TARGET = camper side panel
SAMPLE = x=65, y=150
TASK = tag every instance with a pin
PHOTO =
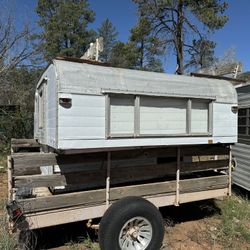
x=45, y=117
x=224, y=121
x=81, y=119
x=51, y=107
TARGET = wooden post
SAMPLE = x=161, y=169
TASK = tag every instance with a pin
x=230, y=172
x=177, y=200
x=9, y=166
x=108, y=180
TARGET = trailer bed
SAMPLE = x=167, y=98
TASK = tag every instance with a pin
x=82, y=186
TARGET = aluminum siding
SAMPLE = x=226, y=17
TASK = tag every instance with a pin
x=241, y=175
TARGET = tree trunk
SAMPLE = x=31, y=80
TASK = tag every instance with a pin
x=142, y=54
x=179, y=39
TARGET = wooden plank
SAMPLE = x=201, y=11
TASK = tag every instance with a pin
x=94, y=196
x=39, y=181
x=27, y=164
x=17, y=144
x=96, y=178
x=30, y=142
x=203, y=195
x=63, y=216
x=205, y=150
x=35, y=160
x=73, y=214
x=205, y=183
x=131, y=174
x=88, y=198
x=10, y=179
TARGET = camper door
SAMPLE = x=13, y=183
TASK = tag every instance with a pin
x=41, y=108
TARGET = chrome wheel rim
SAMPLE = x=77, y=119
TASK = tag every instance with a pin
x=136, y=234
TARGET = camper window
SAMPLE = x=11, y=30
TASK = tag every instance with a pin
x=199, y=116
x=122, y=115
x=162, y=116
x=244, y=121
x=140, y=116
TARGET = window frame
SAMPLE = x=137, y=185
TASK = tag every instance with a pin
x=137, y=133
x=247, y=124
x=40, y=108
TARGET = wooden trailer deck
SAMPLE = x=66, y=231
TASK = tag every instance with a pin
x=90, y=182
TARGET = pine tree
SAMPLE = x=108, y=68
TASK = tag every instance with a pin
x=201, y=54
x=109, y=34
x=149, y=48
x=178, y=22
x=124, y=55
x=65, y=27
x=141, y=52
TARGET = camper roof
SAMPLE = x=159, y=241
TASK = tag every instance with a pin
x=84, y=78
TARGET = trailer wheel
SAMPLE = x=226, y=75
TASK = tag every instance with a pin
x=131, y=223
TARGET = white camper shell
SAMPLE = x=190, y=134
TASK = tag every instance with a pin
x=84, y=106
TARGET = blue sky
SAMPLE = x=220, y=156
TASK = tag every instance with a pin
x=122, y=13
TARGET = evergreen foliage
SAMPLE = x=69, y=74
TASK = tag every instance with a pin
x=109, y=34
x=65, y=27
x=149, y=47
x=201, y=54
x=142, y=51
x=178, y=23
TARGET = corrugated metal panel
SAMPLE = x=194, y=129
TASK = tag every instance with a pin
x=244, y=99
x=241, y=176
x=92, y=79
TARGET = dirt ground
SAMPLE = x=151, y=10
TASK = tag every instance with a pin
x=190, y=226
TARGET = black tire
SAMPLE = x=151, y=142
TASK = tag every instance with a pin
x=121, y=212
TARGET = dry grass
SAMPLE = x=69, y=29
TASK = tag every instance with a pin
x=234, y=228
x=3, y=162
x=85, y=244
x=7, y=241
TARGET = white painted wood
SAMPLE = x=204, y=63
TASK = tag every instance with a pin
x=63, y=216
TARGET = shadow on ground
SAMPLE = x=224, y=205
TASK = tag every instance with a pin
x=189, y=212
x=53, y=237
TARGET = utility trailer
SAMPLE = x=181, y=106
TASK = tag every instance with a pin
x=118, y=144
